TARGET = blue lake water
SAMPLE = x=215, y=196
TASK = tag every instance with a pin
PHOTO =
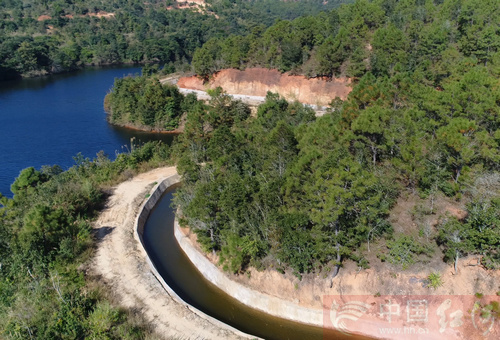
x=47, y=121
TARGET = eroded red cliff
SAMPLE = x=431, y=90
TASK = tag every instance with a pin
x=258, y=81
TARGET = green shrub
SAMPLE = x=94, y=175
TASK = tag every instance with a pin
x=434, y=280
x=403, y=251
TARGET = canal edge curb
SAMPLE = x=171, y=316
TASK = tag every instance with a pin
x=269, y=304
x=145, y=209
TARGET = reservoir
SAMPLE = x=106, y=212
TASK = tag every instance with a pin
x=49, y=120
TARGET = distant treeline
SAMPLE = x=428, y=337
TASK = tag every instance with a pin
x=68, y=37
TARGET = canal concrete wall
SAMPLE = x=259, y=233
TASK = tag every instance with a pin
x=269, y=304
x=266, y=303
x=144, y=211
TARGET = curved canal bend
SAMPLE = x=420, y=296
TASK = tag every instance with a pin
x=190, y=285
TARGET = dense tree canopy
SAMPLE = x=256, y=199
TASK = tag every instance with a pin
x=285, y=189
x=143, y=101
x=423, y=116
x=39, y=37
x=380, y=36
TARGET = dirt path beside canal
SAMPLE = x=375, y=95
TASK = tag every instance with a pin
x=121, y=265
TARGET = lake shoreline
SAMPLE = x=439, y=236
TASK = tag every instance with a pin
x=148, y=129
x=83, y=67
x=49, y=120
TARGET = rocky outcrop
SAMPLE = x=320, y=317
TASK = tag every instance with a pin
x=258, y=81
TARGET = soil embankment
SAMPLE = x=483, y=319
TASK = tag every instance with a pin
x=258, y=81
x=251, y=87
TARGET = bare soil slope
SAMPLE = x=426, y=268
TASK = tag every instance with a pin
x=258, y=81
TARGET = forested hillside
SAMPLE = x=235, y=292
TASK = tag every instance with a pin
x=286, y=190
x=143, y=102
x=282, y=190
x=46, y=241
x=39, y=37
x=385, y=37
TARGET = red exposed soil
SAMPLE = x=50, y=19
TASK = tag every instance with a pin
x=101, y=14
x=187, y=4
x=258, y=81
x=198, y=2
x=460, y=214
x=196, y=5
x=43, y=18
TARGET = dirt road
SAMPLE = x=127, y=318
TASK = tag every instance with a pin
x=122, y=266
x=250, y=100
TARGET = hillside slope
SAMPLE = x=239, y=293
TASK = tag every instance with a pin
x=258, y=81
